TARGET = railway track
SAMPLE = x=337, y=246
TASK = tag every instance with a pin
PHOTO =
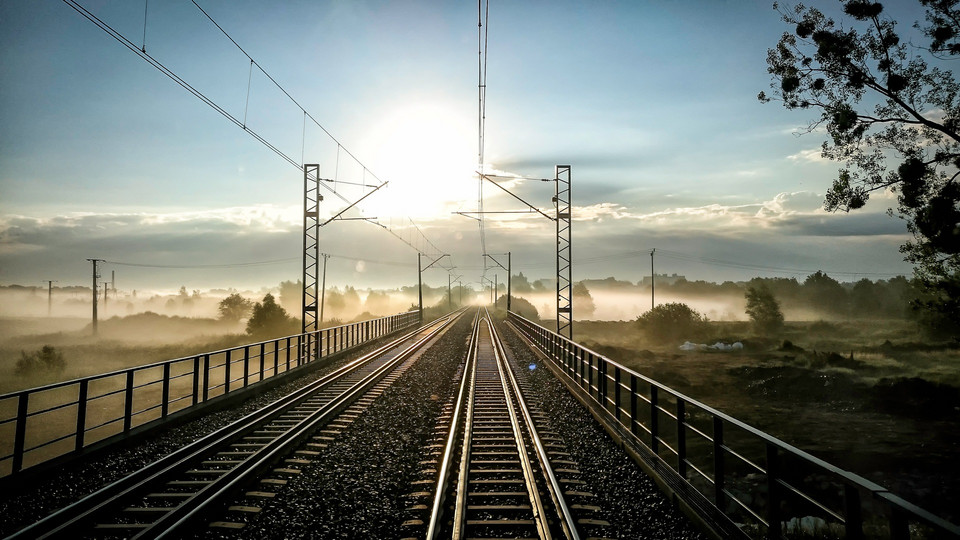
x=176, y=493
x=497, y=473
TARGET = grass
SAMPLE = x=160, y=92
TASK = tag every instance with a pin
x=872, y=397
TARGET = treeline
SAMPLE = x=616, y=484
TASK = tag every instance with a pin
x=818, y=292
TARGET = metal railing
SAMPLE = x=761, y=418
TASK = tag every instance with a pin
x=43, y=423
x=739, y=479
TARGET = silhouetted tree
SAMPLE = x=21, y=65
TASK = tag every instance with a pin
x=893, y=120
x=824, y=292
x=583, y=303
x=291, y=295
x=270, y=320
x=520, y=283
x=764, y=310
x=234, y=308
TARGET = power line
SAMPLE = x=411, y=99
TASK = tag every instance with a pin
x=241, y=123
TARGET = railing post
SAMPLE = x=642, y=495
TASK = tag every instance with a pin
x=276, y=357
x=226, y=373
x=262, y=359
x=196, y=380
x=718, y=463
x=299, y=349
x=633, y=404
x=583, y=371
x=128, y=403
x=246, y=365
x=21, y=434
x=206, y=377
x=899, y=526
x=853, y=516
x=287, y=348
x=616, y=391
x=681, y=437
x=773, y=493
x=82, y=413
x=654, y=421
x=165, y=391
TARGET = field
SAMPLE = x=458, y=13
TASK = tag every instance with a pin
x=868, y=396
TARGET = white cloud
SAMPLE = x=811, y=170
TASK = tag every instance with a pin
x=812, y=155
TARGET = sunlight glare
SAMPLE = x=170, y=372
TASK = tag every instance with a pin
x=427, y=153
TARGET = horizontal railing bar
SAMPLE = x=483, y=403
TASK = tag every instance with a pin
x=746, y=507
x=189, y=358
x=694, y=429
x=107, y=423
x=734, y=453
x=54, y=408
x=108, y=394
x=916, y=511
x=148, y=409
x=697, y=469
x=48, y=443
x=666, y=412
x=181, y=398
x=666, y=445
x=811, y=500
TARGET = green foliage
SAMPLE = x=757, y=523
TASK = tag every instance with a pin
x=520, y=306
x=672, y=322
x=764, y=310
x=47, y=361
x=892, y=119
x=234, y=308
x=270, y=320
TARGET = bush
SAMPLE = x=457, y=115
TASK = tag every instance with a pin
x=46, y=361
x=672, y=322
x=234, y=307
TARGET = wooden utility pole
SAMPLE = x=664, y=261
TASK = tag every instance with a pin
x=509, y=280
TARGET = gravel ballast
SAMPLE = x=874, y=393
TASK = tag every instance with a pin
x=49, y=492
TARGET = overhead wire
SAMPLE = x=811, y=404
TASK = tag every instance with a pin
x=157, y=64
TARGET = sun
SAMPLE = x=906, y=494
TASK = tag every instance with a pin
x=427, y=152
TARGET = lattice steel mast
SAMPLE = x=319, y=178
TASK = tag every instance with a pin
x=564, y=252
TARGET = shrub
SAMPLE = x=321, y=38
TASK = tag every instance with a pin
x=47, y=361
x=234, y=307
x=672, y=322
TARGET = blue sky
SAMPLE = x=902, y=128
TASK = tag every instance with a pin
x=653, y=104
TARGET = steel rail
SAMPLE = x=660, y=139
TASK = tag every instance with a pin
x=72, y=517
x=567, y=522
x=171, y=525
x=488, y=389
x=469, y=370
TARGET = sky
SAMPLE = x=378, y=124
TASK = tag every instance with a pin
x=652, y=104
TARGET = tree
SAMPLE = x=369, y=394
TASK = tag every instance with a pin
x=270, y=320
x=893, y=120
x=671, y=322
x=291, y=295
x=824, y=292
x=234, y=308
x=583, y=301
x=764, y=310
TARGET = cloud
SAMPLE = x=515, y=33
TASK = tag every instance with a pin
x=812, y=155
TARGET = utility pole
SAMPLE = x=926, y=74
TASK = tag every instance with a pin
x=509, y=280
x=96, y=276
x=419, y=288
x=323, y=287
x=50, y=283
x=653, y=278
x=496, y=291
x=449, y=297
